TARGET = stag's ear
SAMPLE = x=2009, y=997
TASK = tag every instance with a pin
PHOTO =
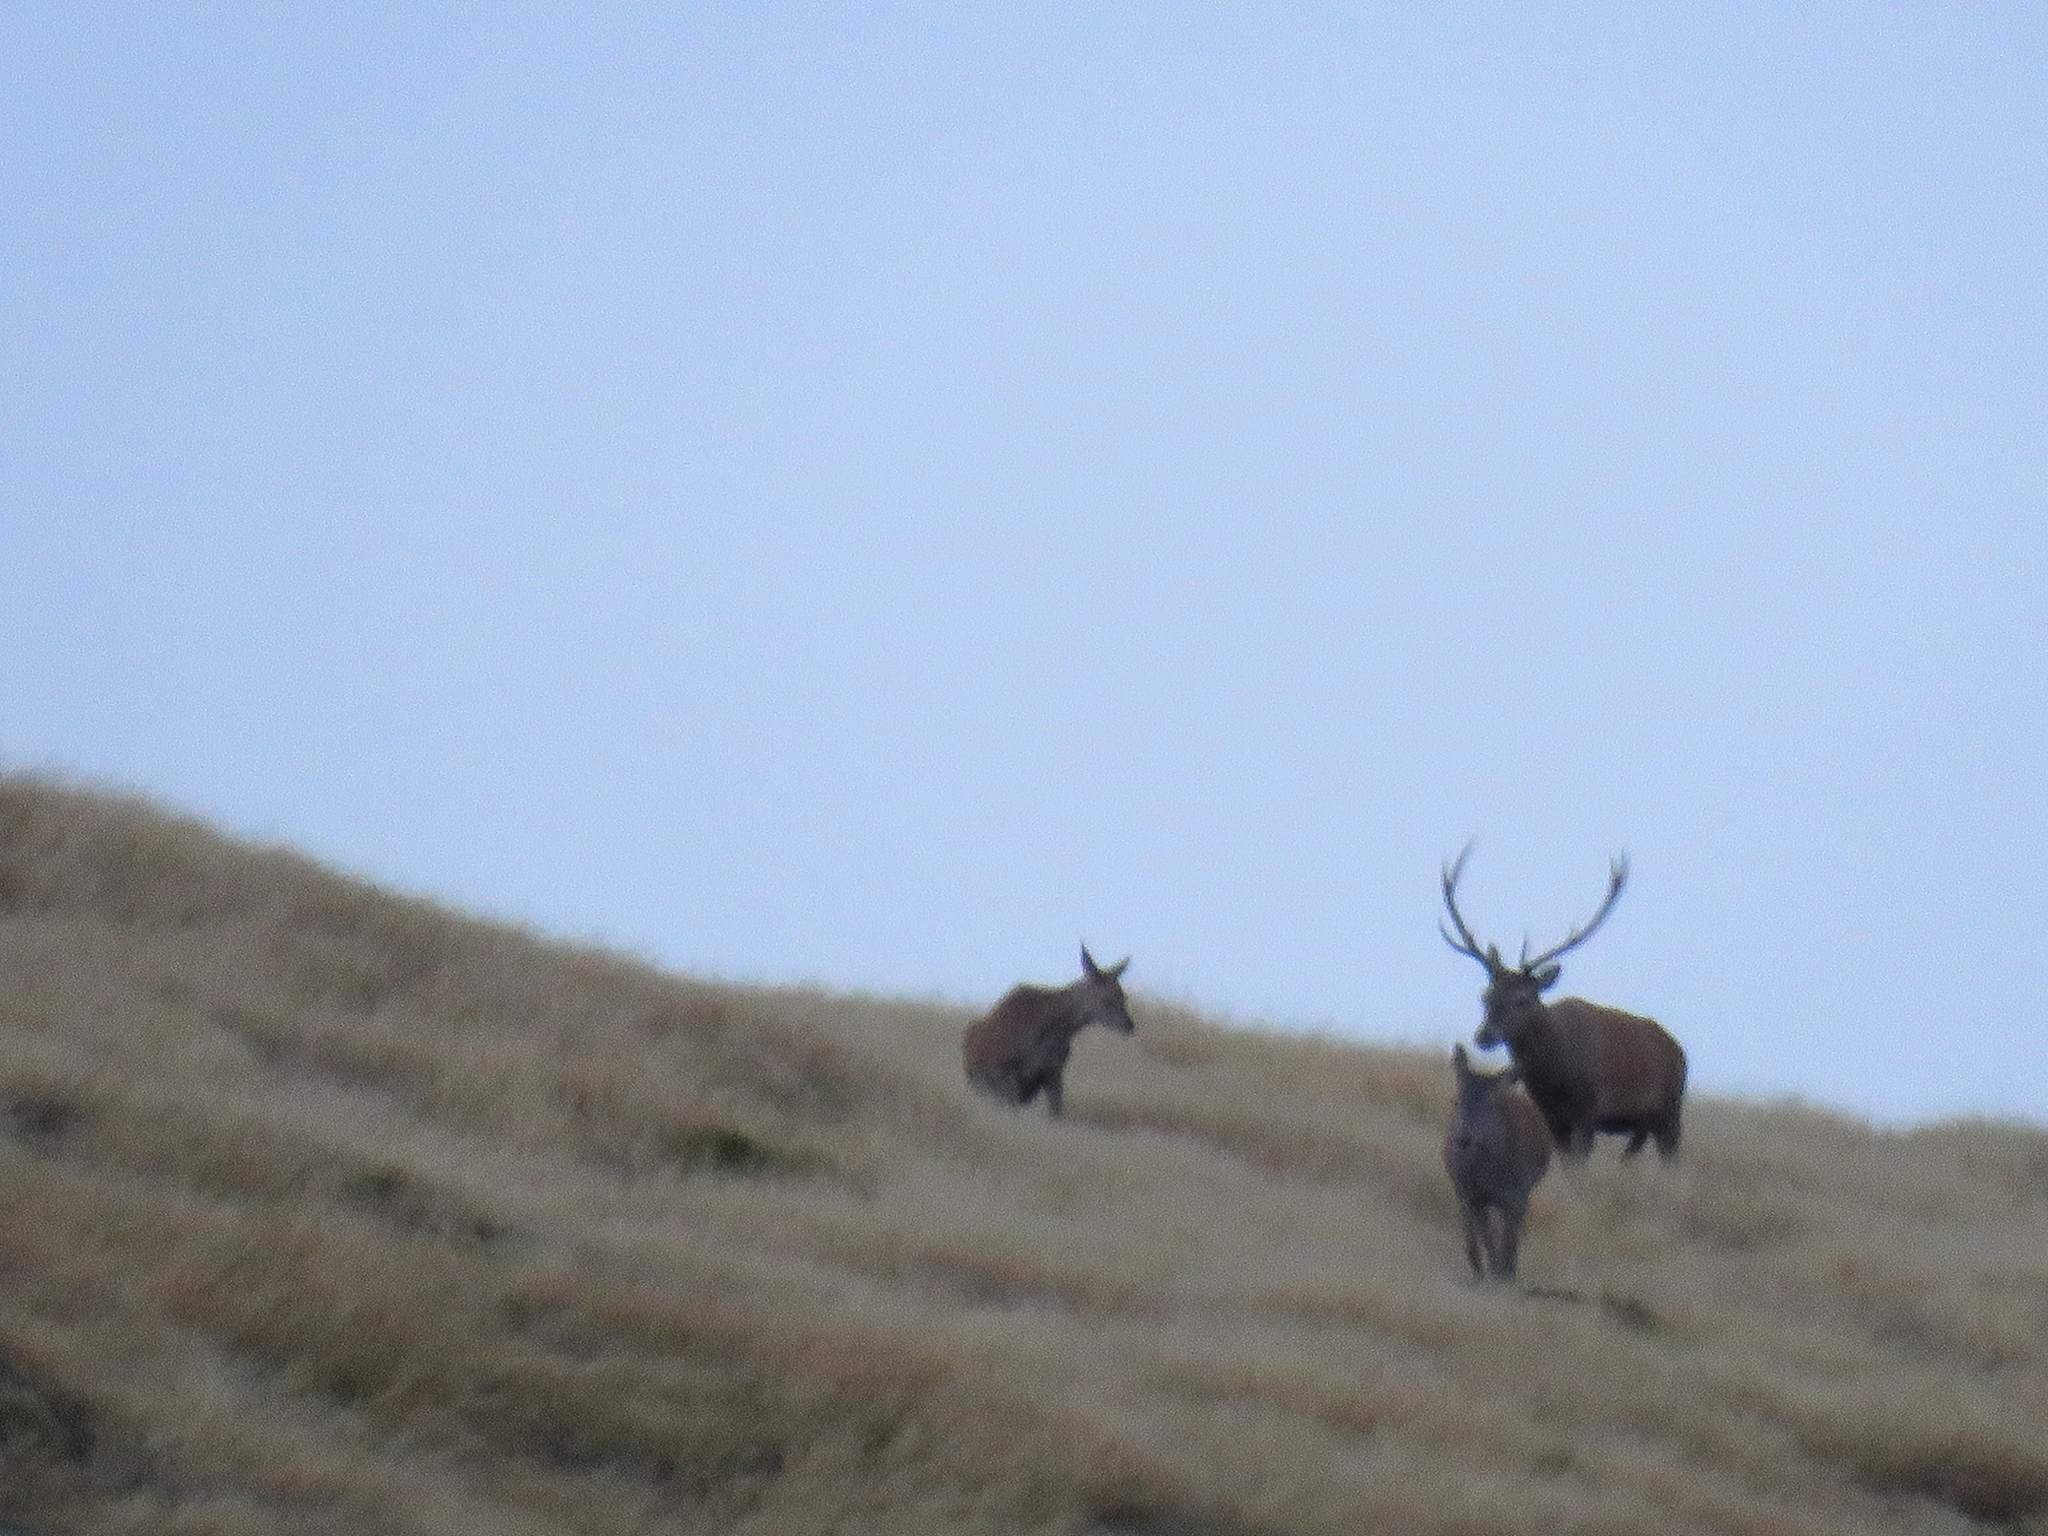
x=1088, y=965
x=1545, y=977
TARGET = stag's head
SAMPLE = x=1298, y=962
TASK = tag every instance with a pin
x=1513, y=999
x=1102, y=994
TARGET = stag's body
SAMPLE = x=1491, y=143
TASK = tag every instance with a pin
x=1020, y=1047
x=1591, y=1070
x=1599, y=1071
x=1496, y=1151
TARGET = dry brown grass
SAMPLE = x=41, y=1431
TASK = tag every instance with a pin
x=324, y=1210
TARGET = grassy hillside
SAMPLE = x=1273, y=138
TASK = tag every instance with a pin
x=324, y=1210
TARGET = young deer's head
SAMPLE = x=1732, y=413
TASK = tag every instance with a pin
x=1478, y=1128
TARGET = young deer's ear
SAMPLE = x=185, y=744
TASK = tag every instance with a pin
x=1546, y=977
x=1088, y=965
x=1460, y=1062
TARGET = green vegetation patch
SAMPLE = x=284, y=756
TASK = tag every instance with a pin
x=1992, y=1484
x=730, y=1151
x=39, y=1420
x=413, y=1205
x=40, y=1118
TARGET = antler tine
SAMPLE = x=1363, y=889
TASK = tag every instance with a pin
x=1470, y=946
x=1617, y=877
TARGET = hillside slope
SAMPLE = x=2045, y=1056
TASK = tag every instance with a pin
x=326, y=1210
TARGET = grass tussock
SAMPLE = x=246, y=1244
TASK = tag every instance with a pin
x=326, y=1210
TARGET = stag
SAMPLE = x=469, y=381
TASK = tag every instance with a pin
x=1020, y=1047
x=1592, y=1070
x=1496, y=1151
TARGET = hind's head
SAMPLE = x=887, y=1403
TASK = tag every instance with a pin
x=1102, y=994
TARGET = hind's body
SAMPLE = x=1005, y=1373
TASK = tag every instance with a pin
x=1019, y=1048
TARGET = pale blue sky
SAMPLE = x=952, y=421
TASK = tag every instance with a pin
x=874, y=494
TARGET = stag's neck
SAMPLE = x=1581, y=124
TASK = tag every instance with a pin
x=1542, y=1055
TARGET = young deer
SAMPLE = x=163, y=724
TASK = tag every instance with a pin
x=1496, y=1151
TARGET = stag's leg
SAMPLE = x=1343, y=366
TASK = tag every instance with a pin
x=1564, y=1136
x=998, y=1085
x=1667, y=1136
x=1055, y=1097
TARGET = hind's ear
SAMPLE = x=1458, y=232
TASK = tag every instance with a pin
x=1088, y=965
x=1545, y=977
x=1118, y=969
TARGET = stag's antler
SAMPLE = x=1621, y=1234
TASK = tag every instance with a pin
x=1470, y=946
x=1617, y=877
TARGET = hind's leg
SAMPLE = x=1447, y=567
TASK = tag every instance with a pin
x=1055, y=1096
x=1635, y=1142
x=1511, y=1216
x=1498, y=1224
x=1472, y=1255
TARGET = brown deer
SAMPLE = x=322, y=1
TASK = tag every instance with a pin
x=1496, y=1151
x=1591, y=1070
x=1020, y=1047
